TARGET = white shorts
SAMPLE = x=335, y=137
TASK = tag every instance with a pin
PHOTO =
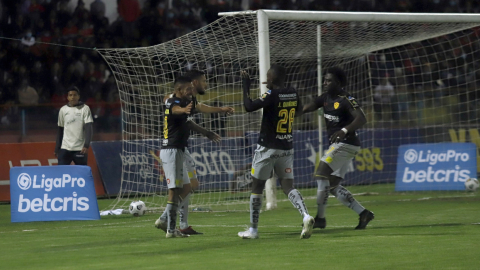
x=267, y=160
x=339, y=157
x=175, y=171
x=190, y=165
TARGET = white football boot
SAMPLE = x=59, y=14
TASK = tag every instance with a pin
x=248, y=234
x=307, y=227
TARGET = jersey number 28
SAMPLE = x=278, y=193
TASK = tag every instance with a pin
x=285, y=117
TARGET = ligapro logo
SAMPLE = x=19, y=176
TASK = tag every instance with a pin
x=24, y=181
x=49, y=202
x=441, y=173
x=412, y=156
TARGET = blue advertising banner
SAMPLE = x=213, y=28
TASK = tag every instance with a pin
x=435, y=166
x=218, y=165
x=47, y=193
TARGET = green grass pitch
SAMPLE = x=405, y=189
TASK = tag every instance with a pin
x=415, y=230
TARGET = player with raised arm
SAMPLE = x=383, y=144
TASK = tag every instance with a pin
x=274, y=151
x=199, y=82
x=176, y=131
x=343, y=116
x=75, y=130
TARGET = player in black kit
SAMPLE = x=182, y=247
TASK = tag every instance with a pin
x=343, y=116
x=176, y=131
x=275, y=146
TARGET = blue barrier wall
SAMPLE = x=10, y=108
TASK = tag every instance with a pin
x=375, y=163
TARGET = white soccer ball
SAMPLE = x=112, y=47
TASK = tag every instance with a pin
x=471, y=184
x=137, y=208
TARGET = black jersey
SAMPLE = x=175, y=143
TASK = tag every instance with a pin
x=175, y=130
x=337, y=113
x=279, y=107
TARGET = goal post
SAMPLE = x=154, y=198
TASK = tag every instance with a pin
x=429, y=60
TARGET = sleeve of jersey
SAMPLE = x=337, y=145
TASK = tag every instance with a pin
x=352, y=102
x=87, y=118
x=60, y=118
x=259, y=103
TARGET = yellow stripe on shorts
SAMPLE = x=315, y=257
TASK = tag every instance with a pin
x=253, y=171
x=328, y=159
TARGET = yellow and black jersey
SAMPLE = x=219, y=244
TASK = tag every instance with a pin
x=337, y=113
x=279, y=108
x=175, y=129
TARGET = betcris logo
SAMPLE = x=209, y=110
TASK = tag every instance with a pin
x=48, y=193
x=435, y=166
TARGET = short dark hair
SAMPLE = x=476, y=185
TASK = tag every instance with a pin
x=73, y=88
x=279, y=74
x=339, y=75
x=194, y=74
x=181, y=80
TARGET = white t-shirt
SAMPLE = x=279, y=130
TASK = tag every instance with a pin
x=73, y=119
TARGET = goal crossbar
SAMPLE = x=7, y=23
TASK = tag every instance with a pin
x=362, y=16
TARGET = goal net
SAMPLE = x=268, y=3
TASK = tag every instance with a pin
x=415, y=78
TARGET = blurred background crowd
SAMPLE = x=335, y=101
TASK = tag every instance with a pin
x=35, y=74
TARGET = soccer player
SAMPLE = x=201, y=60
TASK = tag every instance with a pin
x=343, y=116
x=275, y=146
x=176, y=131
x=199, y=82
x=75, y=130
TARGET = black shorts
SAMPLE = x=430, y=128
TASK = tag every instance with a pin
x=66, y=157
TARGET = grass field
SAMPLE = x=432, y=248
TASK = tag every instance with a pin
x=417, y=230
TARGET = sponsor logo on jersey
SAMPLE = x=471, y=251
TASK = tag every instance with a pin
x=294, y=95
x=177, y=101
x=332, y=118
x=336, y=105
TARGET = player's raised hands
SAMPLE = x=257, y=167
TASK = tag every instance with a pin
x=245, y=78
x=214, y=137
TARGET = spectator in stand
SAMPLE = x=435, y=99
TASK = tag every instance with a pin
x=383, y=95
x=129, y=11
x=28, y=39
x=27, y=95
x=98, y=107
x=97, y=10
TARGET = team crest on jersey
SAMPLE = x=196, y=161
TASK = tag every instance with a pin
x=336, y=105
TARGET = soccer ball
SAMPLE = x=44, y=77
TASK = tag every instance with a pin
x=471, y=184
x=137, y=208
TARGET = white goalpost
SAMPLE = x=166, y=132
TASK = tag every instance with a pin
x=415, y=75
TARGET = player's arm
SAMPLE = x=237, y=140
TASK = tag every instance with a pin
x=88, y=137
x=314, y=105
x=203, y=108
x=207, y=133
x=250, y=106
x=58, y=142
x=182, y=110
x=359, y=119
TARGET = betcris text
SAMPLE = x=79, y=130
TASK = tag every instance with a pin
x=47, y=202
x=441, y=166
